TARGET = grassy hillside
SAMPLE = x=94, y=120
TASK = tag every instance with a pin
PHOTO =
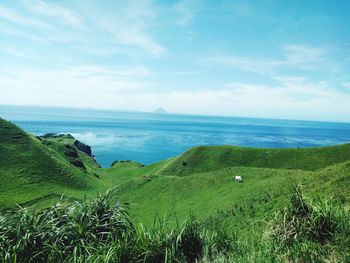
x=36, y=171
x=210, y=158
x=200, y=181
x=39, y=170
x=215, y=196
x=30, y=169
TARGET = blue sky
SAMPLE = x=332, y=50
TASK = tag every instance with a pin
x=278, y=59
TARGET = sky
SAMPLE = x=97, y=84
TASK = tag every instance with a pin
x=268, y=58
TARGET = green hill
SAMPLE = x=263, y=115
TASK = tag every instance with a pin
x=215, y=196
x=37, y=171
x=210, y=158
x=32, y=168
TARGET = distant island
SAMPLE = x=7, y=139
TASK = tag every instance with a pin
x=160, y=110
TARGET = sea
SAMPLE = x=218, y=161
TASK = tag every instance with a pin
x=151, y=137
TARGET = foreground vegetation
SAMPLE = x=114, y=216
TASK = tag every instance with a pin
x=308, y=230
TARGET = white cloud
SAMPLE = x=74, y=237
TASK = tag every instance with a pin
x=292, y=98
x=15, y=52
x=243, y=63
x=294, y=56
x=296, y=98
x=76, y=86
x=13, y=17
x=135, y=72
x=252, y=100
x=61, y=14
x=346, y=85
x=129, y=24
x=301, y=56
x=186, y=10
x=126, y=24
x=135, y=89
x=35, y=28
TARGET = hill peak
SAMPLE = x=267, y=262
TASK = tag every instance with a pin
x=160, y=110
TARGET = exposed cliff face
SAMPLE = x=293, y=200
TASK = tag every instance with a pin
x=69, y=147
x=83, y=147
x=67, y=139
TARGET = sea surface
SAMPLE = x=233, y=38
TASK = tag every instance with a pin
x=151, y=137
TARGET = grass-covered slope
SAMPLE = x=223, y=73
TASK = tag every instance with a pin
x=200, y=181
x=37, y=171
x=210, y=158
x=29, y=169
x=215, y=196
x=208, y=190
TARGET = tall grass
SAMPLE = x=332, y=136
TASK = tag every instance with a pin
x=308, y=230
x=62, y=230
x=95, y=231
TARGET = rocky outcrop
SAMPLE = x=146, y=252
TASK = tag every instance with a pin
x=56, y=136
x=70, y=149
x=72, y=155
x=83, y=147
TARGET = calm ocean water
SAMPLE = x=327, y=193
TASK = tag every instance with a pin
x=149, y=137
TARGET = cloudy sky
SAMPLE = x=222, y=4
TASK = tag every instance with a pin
x=278, y=59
